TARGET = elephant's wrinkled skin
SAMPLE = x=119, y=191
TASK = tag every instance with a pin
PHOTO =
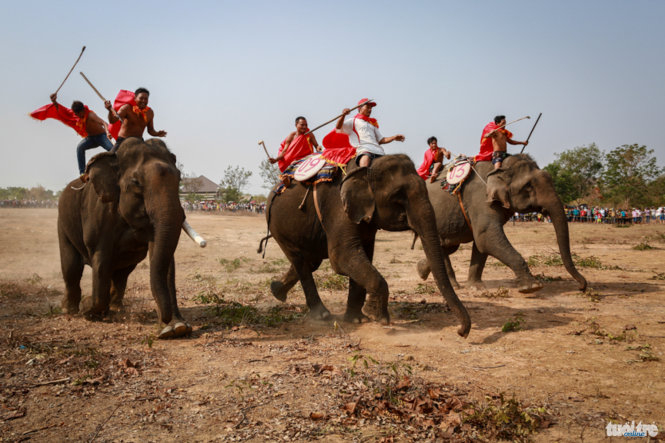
x=518, y=186
x=129, y=206
x=389, y=195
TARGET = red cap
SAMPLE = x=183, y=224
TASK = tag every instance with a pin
x=363, y=100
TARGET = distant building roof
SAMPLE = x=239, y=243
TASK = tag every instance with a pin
x=199, y=185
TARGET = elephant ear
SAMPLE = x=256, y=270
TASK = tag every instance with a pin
x=498, y=187
x=102, y=170
x=357, y=196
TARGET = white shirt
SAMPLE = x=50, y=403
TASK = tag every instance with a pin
x=367, y=137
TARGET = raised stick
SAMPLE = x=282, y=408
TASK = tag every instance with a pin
x=503, y=126
x=99, y=94
x=264, y=148
x=534, y=127
x=92, y=86
x=333, y=119
x=70, y=71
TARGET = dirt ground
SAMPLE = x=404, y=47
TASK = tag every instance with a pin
x=260, y=370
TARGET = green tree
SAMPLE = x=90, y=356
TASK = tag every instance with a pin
x=576, y=172
x=656, y=190
x=235, y=178
x=269, y=173
x=563, y=182
x=629, y=170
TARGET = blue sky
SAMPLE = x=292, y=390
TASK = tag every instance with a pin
x=224, y=75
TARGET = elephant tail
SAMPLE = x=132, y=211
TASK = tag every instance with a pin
x=261, y=247
x=415, y=237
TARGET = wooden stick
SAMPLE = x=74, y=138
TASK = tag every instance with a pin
x=70, y=71
x=52, y=382
x=333, y=119
x=534, y=127
x=264, y=148
x=92, y=86
x=99, y=94
x=503, y=126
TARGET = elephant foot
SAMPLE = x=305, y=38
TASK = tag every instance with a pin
x=117, y=305
x=320, y=313
x=277, y=289
x=69, y=307
x=530, y=286
x=423, y=269
x=175, y=330
x=92, y=312
x=377, y=310
x=476, y=285
x=355, y=316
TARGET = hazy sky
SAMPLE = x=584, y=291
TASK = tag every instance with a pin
x=224, y=75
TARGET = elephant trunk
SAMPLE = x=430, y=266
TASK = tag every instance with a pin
x=555, y=209
x=422, y=221
x=167, y=221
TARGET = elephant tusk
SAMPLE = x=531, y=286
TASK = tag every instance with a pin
x=193, y=234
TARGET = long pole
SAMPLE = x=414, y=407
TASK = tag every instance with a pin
x=70, y=71
x=333, y=119
x=507, y=124
x=99, y=94
x=534, y=127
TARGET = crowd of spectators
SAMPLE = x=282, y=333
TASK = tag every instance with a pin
x=215, y=206
x=584, y=214
x=28, y=203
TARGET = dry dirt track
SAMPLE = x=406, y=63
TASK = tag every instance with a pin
x=256, y=369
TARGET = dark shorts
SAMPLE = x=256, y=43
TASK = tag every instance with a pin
x=367, y=154
x=499, y=156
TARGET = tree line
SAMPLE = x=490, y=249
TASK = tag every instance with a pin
x=627, y=176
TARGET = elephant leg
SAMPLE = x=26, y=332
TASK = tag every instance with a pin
x=360, y=270
x=478, y=260
x=72, y=264
x=358, y=293
x=97, y=306
x=175, y=324
x=495, y=243
x=303, y=272
x=355, y=303
x=280, y=288
x=424, y=270
x=119, y=285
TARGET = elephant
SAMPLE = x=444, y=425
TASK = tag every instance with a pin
x=127, y=206
x=489, y=198
x=338, y=220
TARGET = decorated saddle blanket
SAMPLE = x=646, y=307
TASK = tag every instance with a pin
x=326, y=173
x=457, y=172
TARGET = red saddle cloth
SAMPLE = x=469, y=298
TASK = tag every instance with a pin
x=338, y=148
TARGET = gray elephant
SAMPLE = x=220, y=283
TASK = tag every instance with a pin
x=518, y=186
x=129, y=207
x=339, y=220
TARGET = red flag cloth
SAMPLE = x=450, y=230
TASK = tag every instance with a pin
x=123, y=98
x=424, y=169
x=486, y=147
x=63, y=114
x=338, y=147
x=300, y=147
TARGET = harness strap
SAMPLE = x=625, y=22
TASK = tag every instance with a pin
x=461, y=205
x=316, y=205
